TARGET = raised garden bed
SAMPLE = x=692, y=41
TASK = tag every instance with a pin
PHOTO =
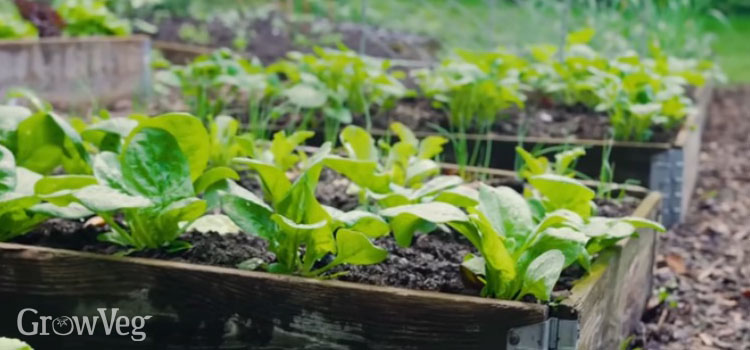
x=208, y=307
x=71, y=72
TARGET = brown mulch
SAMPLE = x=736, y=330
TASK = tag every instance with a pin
x=702, y=271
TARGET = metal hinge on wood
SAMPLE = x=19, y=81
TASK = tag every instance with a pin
x=552, y=334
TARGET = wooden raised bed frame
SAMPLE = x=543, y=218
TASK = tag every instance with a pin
x=195, y=305
x=75, y=72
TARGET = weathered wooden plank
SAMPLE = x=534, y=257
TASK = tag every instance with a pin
x=71, y=72
x=611, y=299
x=193, y=304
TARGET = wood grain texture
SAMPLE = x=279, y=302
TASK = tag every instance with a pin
x=194, y=304
x=74, y=72
x=611, y=299
x=691, y=148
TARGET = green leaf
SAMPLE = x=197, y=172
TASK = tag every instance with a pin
x=408, y=219
x=191, y=136
x=106, y=167
x=493, y=248
x=564, y=193
x=220, y=224
x=355, y=248
x=10, y=118
x=542, y=274
x=305, y=96
x=59, y=189
x=533, y=165
x=187, y=209
x=571, y=243
x=359, y=144
x=405, y=134
x=13, y=344
x=70, y=211
x=643, y=223
x=431, y=147
x=506, y=209
x=275, y=183
x=364, y=173
x=437, y=185
x=102, y=199
x=154, y=167
x=461, y=196
x=7, y=170
x=214, y=175
x=282, y=148
x=563, y=160
x=39, y=142
x=26, y=180
x=358, y=220
x=419, y=170
x=12, y=201
x=249, y=213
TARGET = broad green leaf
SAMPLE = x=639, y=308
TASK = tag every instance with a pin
x=359, y=144
x=249, y=213
x=506, y=210
x=59, y=189
x=282, y=147
x=542, y=274
x=563, y=160
x=190, y=134
x=12, y=201
x=422, y=168
x=408, y=219
x=13, y=344
x=431, y=146
x=187, y=209
x=358, y=220
x=437, y=185
x=493, y=248
x=26, y=180
x=461, y=196
x=7, y=170
x=561, y=217
x=39, y=144
x=101, y=199
x=275, y=183
x=122, y=127
x=534, y=165
x=363, y=173
x=643, y=223
x=405, y=134
x=154, y=167
x=71, y=211
x=570, y=242
x=214, y=175
x=543, y=53
x=10, y=118
x=71, y=134
x=355, y=248
x=305, y=96
x=106, y=167
x=220, y=224
x=564, y=193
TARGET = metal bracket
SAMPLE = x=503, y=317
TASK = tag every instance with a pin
x=667, y=178
x=552, y=334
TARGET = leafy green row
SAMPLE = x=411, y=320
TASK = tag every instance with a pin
x=476, y=89
x=153, y=178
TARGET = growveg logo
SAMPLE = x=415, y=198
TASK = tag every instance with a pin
x=107, y=322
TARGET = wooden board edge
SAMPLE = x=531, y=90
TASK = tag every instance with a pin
x=436, y=297
x=75, y=40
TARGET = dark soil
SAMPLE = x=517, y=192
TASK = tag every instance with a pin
x=539, y=119
x=271, y=37
x=703, y=265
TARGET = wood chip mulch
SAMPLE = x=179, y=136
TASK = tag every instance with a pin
x=702, y=274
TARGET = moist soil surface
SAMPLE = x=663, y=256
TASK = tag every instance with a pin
x=431, y=263
x=703, y=265
x=271, y=37
x=542, y=118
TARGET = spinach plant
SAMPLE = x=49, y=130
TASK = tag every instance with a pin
x=523, y=245
x=294, y=220
x=90, y=17
x=150, y=184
